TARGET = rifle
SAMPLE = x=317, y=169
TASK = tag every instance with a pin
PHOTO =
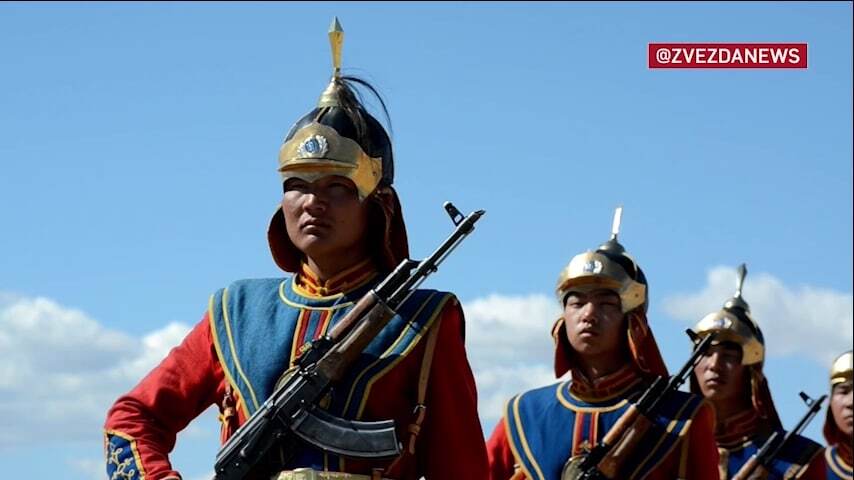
x=292, y=414
x=605, y=460
x=758, y=464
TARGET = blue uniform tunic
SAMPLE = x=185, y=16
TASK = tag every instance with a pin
x=261, y=326
x=548, y=425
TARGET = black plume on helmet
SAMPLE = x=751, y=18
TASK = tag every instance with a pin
x=348, y=116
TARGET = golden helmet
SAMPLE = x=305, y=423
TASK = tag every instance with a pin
x=339, y=137
x=841, y=371
x=609, y=267
x=733, y=323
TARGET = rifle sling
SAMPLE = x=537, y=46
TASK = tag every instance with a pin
x=420, y=410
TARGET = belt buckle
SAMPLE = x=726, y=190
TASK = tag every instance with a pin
x=304, y=473
x=301, y=473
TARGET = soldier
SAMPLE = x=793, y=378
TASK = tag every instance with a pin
x=730, y=376
x=338, y=230
x=839, y=424
x=604, y=340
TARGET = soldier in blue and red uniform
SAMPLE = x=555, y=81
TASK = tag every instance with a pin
x=730, y=376
x=604, y=340
x=839, y=423
x=338, y=231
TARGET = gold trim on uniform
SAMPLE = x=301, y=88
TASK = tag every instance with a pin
x=113, y=456
x=831, y=462
x=524, y=441
x=241, y=403
x=233, y=348
x=561, y=387
x=439, y=308
x=307, y=283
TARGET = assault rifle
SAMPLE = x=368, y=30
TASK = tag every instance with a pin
x=291, y=414
x=605, y=460
x=759, y=463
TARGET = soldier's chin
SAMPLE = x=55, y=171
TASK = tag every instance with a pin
x=586, y=348
x=712, y=392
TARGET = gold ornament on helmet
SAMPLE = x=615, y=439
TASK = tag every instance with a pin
x=608, y=267
x=733, y=323
x=841, y=371
x=316, y=150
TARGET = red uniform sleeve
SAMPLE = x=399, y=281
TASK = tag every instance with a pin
x=502, y=463
x=817, y=469
x=702, y=456
x=451, y=444
x=146, y=420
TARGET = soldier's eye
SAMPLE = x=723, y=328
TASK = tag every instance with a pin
x=295, y=185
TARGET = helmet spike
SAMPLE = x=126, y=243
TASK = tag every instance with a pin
x=336, y=41
x=739, y=285
x=329, y=97
x=615, y=226
x=737, y=301
x=612, y=245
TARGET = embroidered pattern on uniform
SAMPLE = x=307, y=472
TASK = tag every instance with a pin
x=121, y=459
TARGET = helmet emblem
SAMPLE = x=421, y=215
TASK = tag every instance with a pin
x=722, y=323
x=592, y=266
x=314, y=146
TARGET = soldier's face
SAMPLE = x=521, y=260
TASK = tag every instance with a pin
x=842, y=406
x=325, y=217
x=594, y=322
x=720, y=373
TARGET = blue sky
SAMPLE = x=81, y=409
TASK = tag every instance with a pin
x=138, y=149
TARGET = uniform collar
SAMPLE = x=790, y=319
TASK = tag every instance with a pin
x=737, y=429
x=306, y=282
x=606, y=387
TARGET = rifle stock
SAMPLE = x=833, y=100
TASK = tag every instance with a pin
x=618, y=456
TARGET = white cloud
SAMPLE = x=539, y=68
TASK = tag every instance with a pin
x=796, y=320
x=62, y=369
x=509, y=347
